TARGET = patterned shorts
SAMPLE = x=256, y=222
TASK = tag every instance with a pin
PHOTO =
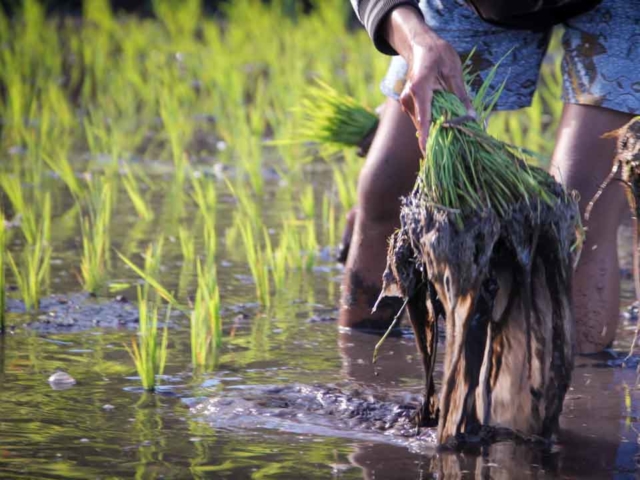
x=601, y=63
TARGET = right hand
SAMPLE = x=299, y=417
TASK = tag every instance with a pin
x=433, y=65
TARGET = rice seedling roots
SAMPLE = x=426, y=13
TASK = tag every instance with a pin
x=502, y=286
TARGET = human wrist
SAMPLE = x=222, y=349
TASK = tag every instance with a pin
x=405, y=29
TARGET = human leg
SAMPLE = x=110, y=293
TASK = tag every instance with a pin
x=600, y=69
x=581, y=161
x=389, y=173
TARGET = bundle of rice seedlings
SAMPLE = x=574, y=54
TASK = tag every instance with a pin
x=333, y=120
x=465, y=170
x=487, y=244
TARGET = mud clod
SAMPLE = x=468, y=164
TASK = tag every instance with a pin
x=501, y=284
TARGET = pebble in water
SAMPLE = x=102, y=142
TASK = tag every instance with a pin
x=61, y=381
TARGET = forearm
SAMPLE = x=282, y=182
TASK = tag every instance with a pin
x=374, y=15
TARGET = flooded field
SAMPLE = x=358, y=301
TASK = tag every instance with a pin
x=288, y=395
x=144, y=165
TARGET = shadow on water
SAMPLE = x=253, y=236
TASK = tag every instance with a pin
x=289, y=395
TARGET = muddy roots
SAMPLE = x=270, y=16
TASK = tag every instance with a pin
x=502, y=286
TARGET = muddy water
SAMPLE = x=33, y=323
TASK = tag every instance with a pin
x=289, y=396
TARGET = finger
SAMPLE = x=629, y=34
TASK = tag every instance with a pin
x=422, y=105
x=406, y=101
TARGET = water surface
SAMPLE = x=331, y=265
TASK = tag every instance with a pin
x=106, y=427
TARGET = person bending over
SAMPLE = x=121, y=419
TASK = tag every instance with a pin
x=601, y=92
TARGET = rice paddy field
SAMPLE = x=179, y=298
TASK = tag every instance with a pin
x=168, y=288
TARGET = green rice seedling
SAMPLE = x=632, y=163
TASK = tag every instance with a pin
x=467, y=170
x=149, y=354
x=188, y=249
x=308, y=245
x=205, y=320
x=96, y=242
x=333, y=120
x=205, y=196
x=277, y=259
x=152, y=259
x=307, y=202
x=187, y=245
x=12, y=187
x=297, y=248
x=247, y=205
x=58, y=161
x=178, y=130
x=247, y=146
x=179, y=18
x=256, y=258
x=132, y=187
x=3, y=291
x=32, y=273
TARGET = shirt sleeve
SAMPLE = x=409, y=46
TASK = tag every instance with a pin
x=372, y=12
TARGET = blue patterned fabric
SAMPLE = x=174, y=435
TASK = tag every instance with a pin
x=601, y=62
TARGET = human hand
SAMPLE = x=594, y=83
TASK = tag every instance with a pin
x=433, y=65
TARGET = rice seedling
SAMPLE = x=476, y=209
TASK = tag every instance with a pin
x=96, y=241
x=31, y=273
x=257, y=260
x=307, y=202
x=150, y=270
x=205, y=320
x=58, y=161
x=277, y=259
x=188, y=249
x=179, y=18
x=205, y=196
x=303, y=252
x=149, y=353
x=333, y=120
x=187, y=245
x=132, y=187
x=466, y=169
x=12, y=187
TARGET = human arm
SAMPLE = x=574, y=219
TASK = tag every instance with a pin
x=397, y=26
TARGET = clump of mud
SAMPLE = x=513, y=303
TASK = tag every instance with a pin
x=502, y=286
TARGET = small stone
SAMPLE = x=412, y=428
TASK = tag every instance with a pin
x=61, y=381
x=108, y=407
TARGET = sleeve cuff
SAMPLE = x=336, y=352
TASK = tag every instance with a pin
x=373, y=13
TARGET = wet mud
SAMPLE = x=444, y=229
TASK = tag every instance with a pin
x=76, y=312
x=319, y=410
